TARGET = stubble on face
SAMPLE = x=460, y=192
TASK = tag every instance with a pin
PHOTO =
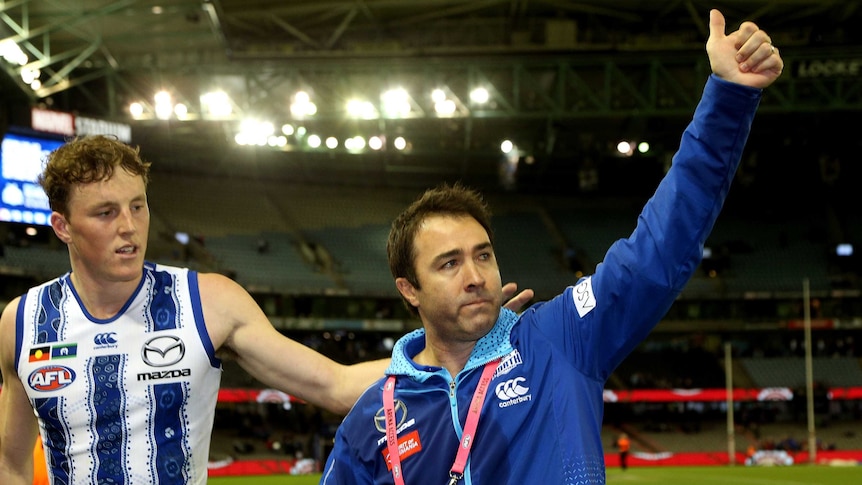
x=461, y=289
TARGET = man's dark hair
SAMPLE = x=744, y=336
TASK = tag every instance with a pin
x=449, y=200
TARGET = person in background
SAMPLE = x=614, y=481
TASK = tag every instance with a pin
x=623, y=445
x=40, y=469
x=121, y=358
x=484, y=396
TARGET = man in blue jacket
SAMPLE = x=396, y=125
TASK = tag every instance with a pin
x=484, y=396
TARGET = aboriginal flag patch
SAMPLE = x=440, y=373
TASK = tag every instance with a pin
x=39, y=354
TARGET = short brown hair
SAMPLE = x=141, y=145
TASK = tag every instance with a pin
x=445, y=199
x=84, y=160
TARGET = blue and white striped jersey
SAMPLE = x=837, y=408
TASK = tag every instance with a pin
x=114, y=396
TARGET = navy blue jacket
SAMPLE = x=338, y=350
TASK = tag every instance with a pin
x=541, y=422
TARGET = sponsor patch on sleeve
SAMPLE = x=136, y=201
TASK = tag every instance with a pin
x=583, y=296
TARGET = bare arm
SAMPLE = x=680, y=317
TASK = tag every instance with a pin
x=237, y=324
x=18, y=426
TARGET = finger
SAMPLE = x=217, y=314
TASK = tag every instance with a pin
x=517, y=303
x=746, y=34
x=509, y=289
x=763, y=55
x=716, y=25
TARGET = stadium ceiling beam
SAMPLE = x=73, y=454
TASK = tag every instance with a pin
x=634, y=84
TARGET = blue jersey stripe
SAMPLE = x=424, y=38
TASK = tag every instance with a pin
x=109, y=426
x=55, y=441
x=168, y=429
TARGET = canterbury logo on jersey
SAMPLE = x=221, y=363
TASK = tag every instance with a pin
x=512, y=391
x=108, y=339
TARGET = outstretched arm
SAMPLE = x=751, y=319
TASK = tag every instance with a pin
x=238, y=326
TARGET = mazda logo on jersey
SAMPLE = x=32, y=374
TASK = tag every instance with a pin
x=163, y=351
x=51, y=378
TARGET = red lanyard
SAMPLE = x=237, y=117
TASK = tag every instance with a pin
x=457, y=470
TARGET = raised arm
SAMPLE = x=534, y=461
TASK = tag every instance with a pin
x=18, y=426
x=745, y=56
x=641, y=276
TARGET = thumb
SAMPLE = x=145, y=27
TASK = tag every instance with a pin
x=716, y=25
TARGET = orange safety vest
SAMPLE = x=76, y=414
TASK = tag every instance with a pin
x=40, y=467
x=623, y=444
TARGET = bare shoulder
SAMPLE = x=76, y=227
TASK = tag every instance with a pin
x=7, y=332
x=226, y=306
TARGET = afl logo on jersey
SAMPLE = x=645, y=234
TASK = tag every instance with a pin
x=163, y=351
x=51, y=378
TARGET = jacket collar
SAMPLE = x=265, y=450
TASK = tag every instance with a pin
x=494, y=344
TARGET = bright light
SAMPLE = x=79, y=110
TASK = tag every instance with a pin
x=35, y=85
x=332, y=143
x=643, y=147
x=395, y=102
x=163, y=111
x=13, y=54
x=254, y=132
x=400, y=143
x=28, y=75
x=445, y=107
x=181, y=110
x=217, y=104
x=302, y=105
x=313, y=141
x=375, y=143
x=361, y=109
x=136, y=109
x=162, y=97
x=354, y=144
x=507, y=146
x=480, y=95
x=287, y=129
x=438, y=96
x=624, y=147
x=164, y=107
x=266, y=128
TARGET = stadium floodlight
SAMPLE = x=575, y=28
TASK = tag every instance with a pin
x=480, y=95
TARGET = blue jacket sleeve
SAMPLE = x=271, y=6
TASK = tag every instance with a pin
x=642, y=275
x=342, y=466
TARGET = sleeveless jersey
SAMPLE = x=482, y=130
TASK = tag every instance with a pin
x=125, y=400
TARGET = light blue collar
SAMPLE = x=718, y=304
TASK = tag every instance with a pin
x=495, y=343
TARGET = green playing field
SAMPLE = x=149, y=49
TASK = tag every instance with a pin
x=795, y=475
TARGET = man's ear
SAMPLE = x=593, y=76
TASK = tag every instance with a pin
x=60, y=226
x=407, y=290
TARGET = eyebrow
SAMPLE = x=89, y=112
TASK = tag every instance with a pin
x=458, y=252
